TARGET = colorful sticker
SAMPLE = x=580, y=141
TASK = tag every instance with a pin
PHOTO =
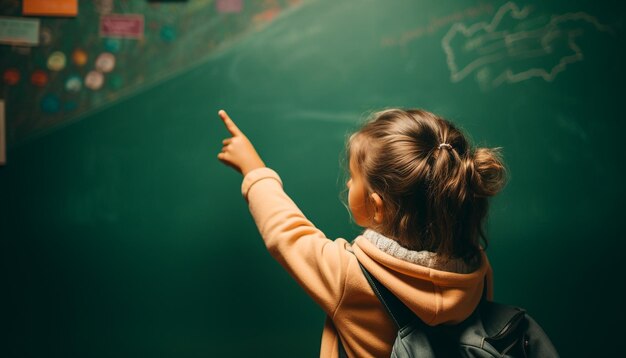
x=56, y=61
x=94, y=80
x=112, y=45
x=39, y=78
x=266, y=16
x=229, y=6
x=50, y=104
x=74, y=83
x=11, y=76
x=79, y=57
x=105, y=63
x=168, y=34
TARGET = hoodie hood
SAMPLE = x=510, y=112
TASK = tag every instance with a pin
x=437, y=292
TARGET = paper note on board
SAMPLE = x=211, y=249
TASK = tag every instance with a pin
x=19, y=31
x=3, y=152
x=229, y=6
x=128, y=26
x=50, y=7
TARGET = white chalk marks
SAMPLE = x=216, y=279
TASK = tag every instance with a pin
x=515, y=47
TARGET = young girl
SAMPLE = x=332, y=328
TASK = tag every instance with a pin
x=420, y=191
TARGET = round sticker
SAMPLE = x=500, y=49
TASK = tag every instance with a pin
x=112, y=45
x=73, y=83
x=39, y=78
x=94, y=80
x=79, y=57
x=50, y=104
x=11, y=76
x=168, y=34
x=56, y=61
x=105, y=62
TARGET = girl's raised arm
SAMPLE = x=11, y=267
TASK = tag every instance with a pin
x=237, y=151
x=318, y=264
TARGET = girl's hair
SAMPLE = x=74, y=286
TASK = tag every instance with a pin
x=434, y=186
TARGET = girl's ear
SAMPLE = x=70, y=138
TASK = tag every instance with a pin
x=378, y=208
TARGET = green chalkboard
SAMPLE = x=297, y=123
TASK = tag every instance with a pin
x=122, y=235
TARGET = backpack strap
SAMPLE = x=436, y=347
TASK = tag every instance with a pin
x=397, y=310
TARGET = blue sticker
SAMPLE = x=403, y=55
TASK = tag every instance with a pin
x=50, y=104
x=112, y=45
x=168, y=34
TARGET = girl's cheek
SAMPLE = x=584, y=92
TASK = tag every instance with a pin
x=358, y=210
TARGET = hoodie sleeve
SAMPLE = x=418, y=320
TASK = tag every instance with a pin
x=318, y=264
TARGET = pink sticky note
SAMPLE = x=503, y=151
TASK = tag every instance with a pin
x=229, y=6
x=122, y=26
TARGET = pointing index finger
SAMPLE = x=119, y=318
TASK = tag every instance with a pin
x=230, y=125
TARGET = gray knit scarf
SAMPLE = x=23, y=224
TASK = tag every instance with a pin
x=422, y=258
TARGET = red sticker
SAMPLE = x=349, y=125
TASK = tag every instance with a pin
x=39, y=78
x=11, y=76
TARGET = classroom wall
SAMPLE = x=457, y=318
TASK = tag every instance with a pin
x=122, y=235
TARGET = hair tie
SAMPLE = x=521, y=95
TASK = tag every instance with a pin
x=444, y=145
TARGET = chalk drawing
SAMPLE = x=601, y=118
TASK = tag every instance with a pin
x=517, y=52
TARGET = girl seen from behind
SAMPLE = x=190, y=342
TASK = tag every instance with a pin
x=420, y=191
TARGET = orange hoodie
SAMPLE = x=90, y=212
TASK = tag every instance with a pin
x=329, y=272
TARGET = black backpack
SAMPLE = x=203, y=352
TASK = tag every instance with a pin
x=493, y=330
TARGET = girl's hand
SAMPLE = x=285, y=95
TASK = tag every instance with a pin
x=237, y=151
